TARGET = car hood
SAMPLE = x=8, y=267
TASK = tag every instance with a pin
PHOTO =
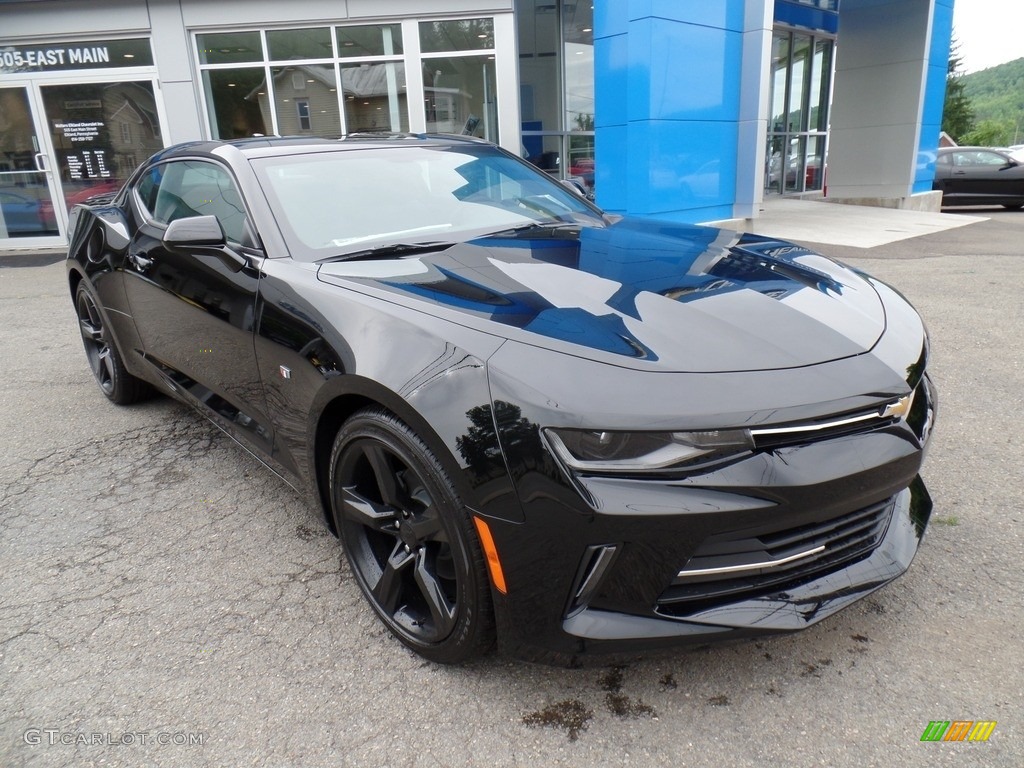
x=640, y=293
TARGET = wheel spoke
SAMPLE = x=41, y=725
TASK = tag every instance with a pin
x=383, y=473
x=107, y=361
x=363, y=511
x=90, y=332
x=442, y=611
x=388, y=588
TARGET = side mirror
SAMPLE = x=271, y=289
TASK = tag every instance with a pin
x=575, y=186
x=202, y=235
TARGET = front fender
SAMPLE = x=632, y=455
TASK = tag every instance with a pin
x=324, y=352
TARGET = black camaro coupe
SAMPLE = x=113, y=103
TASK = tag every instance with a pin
x=527, y=421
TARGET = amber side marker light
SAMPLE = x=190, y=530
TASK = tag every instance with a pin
x=493, y=563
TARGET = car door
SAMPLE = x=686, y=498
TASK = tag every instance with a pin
x=944, y=175
x=193, y=310
x=984, y=176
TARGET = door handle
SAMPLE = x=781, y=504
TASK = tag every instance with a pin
x=40, y=160
x=959, y=173
x=140, y=262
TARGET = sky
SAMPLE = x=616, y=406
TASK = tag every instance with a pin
x=990, y=32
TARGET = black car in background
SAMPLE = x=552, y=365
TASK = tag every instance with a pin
x=526, y=420
x=979, y=176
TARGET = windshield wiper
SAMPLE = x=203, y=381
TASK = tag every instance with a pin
x=390, y=250
x=553, y=228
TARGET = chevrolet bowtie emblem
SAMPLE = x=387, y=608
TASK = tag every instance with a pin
x=899, y=409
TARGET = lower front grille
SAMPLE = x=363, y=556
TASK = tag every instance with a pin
x=738, y=566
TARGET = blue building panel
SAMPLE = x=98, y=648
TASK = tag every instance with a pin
x=682, y=71
x=611, y=79
x=934, y=94
x=612, y=169
x=942, y=23
x=722, y=14
x=611, y=17
x=676, y=79
x=681, y=164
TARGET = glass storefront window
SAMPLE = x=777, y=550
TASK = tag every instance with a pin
x=818, y=110
x=286, y=44
x=539, y=68
x=578, y=37
x=814, y=175
x=343, y=79
x=305, y=99
x=461, y=35
x=801, y=77
x=237, y=102
x=375, y=97
x=794, y=165
x=459, y=95
x=229, y=47
x=556, y=72
x=377, y=40
x=799, y=81
x=581, y=161
x=545, y=152
x=780, y=66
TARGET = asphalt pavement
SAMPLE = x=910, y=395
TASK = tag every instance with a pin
x=164, y=600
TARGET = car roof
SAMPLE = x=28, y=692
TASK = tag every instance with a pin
x=275, y=146
x=947, y=150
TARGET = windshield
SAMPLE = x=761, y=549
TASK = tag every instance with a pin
x=330, y=204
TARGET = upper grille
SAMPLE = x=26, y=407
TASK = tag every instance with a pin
x=728, y=568
x=822, y=430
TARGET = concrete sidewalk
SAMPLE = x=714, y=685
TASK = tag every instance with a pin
x=853, y=225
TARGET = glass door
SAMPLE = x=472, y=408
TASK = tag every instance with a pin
x=99, y=133
x=28, y=216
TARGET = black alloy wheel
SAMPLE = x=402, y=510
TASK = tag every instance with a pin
x=104, y=359
x=409, y=540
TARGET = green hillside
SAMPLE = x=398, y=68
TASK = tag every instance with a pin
x=997, y=98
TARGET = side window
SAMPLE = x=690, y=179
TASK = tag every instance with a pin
x=195, y=188
x=945, y=160
x=991, y=158
x=979, y=158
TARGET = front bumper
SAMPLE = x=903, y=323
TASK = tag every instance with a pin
x=794, y=607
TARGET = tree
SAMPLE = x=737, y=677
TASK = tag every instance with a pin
x=989, y=133
x=957, y=114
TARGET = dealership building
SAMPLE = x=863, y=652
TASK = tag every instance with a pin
x=678, y=110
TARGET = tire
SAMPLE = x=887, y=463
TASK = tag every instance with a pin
x=1013, y=206
x=104, y=358
x=409, y=540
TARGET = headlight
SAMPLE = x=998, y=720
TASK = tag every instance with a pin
x=605, y=451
